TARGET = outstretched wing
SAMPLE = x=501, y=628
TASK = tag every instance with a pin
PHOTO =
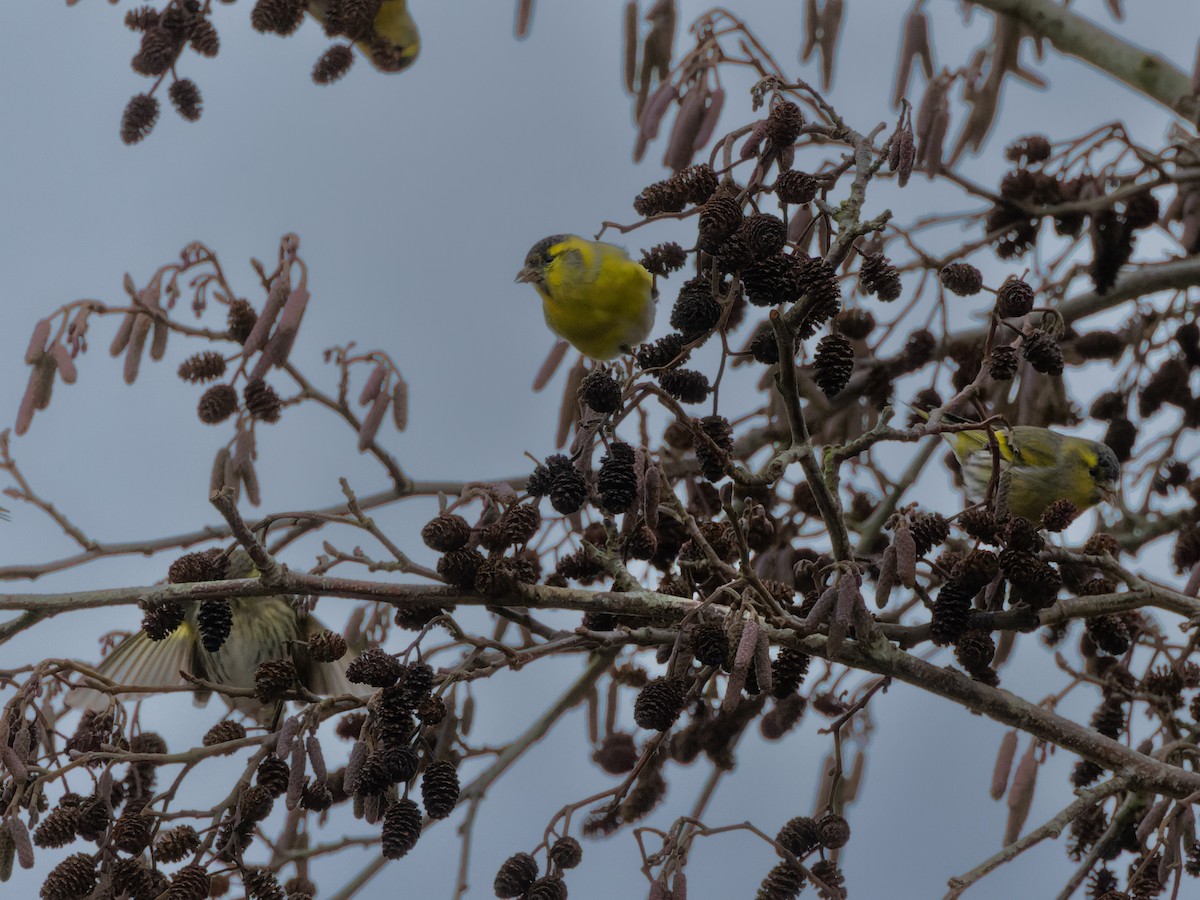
x=140, y=662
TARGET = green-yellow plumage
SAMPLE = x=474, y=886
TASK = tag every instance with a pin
x=262, y=628
x=393, y=43
x=593, y=294
x=1037, y=467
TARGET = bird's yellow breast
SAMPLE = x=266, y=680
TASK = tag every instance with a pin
x=596, y=297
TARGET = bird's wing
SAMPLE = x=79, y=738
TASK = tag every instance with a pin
x=1033, y=454
x=327, y=679
x=141, y=662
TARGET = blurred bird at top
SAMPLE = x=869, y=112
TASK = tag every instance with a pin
x=593, y=294
x=1037, y=467
x=259, y=629
x=382, y=30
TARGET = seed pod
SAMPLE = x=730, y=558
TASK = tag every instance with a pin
x=762, y=663
x=316, y=757
x=747, y=646
x=66, y=365
x=887, y=577
x=831, y=27
x=289, y=326
x=121, y=338
x=20, y=838
x=371, y=422
x=1004, y=761
x=37, y=342
x=137, y=343
x=652, y=496
x=906, y=554
x=1020, y=797
x=712, y=113
x=373, y=386
x=688, y=120
x=358, y=756
x=296, y=767
x=915, y=45
x=524, y=19
x=629, y=36
x=277, y=296
x=400, y=404
x=651, y=117
x=287, y=734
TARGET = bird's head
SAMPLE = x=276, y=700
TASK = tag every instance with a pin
x=540, y=256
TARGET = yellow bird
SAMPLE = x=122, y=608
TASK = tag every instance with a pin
x=1037, y=467
x=261, y=629
x=593, y=294
x=392, y=43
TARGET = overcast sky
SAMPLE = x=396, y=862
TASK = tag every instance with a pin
x=416, y=197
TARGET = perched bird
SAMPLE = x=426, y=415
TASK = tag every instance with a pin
x=593, y=294
x=261, y=628
x=1037, y=467
x=391, y=43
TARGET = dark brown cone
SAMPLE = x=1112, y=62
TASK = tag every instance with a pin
x=277, y=16
x=58, y=828
x=202, y=367
x=663, y=259
x=214, y=621
x=261, y=884
x=439, y=789
x=720, y=217
x=661, y=352
x=1042, y=352
x=223, y=733
x=273, y=679
x=446, y=532
x=1059, y=515
x=191, y=882
x=784, y=122
x=878, y=276
x=833, y=363
x=273, y=775
x=616, y=482
x=1002, y=363
x=332, y=64
x=617, y=753
x=833, y=831
x=710, y=644
x=401, y=828
x=712, y=462
x=459, y=567
x=72, y=878
x=160, y=620
x=765, y=235
x=138, y=119
x=794, y=186
x=174, y=845
x=326, y=647
x=799, y=835
x=962, y=279
x=261, y=401
x=374, y=667
x=566, y=853
x=217, y=404
x=659, y=703
x=784, y=882
x=207, y=565
x=600, y=391
x=685, y=385
x=516, y=875
x=788, y=671
x=855, y=323
x=240, y=320
x=1014, y=299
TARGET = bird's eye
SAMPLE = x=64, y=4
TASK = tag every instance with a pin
x=1094, y=471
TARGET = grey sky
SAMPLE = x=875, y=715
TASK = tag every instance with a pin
x=416, y=197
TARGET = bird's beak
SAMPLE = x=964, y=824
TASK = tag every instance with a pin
x=1108, y=493
x=526, y=275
